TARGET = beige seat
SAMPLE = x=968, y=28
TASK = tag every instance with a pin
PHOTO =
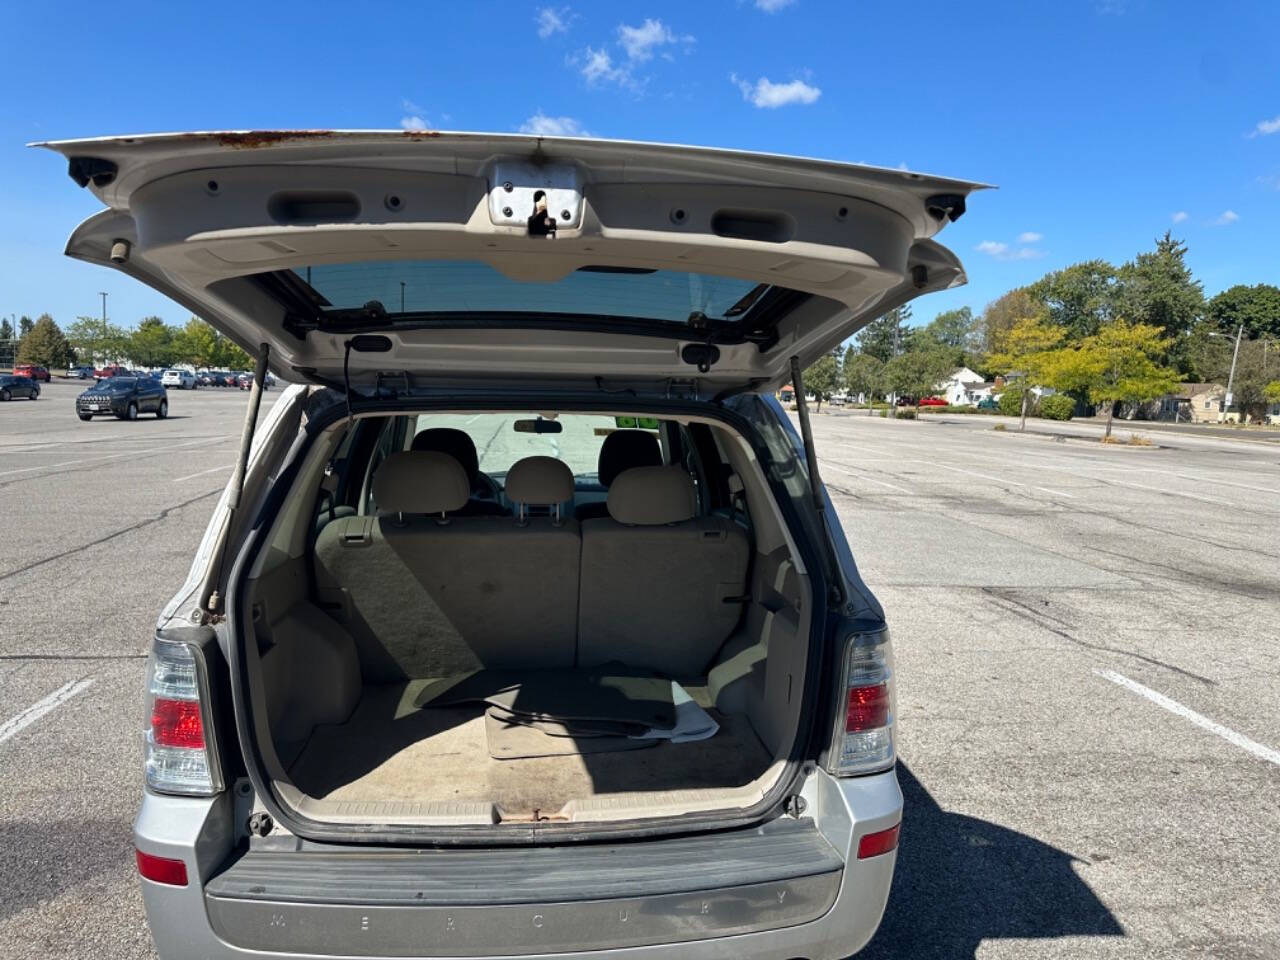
x=660, y=588
x=429, y=594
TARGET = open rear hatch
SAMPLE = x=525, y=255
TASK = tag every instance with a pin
x=628, y=262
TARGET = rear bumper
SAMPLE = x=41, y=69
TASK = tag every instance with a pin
x=828, y=909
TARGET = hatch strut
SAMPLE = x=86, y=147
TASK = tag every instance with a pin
x=237, y=477
x=815, y=484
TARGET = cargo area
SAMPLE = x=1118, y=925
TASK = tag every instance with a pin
x=483, y=619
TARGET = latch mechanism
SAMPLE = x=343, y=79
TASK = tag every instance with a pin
x=538, y=197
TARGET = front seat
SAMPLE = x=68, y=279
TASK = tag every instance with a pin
x=621, y=450
x=459, y=445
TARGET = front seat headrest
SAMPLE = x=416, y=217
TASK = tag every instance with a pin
x=650, y=496
x=456, y=443
x=542, y=481
x=624, y=449
x=419, y=481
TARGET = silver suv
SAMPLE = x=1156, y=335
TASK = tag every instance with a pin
x=525, y=626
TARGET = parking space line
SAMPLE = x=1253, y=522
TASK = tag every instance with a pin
x=41, y=707
x=1173, y=706
x=190, y=476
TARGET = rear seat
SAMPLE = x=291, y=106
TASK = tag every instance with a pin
x=660, y=587
x=429, y=594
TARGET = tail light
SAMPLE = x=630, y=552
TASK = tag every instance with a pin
x=863, y=738
x=180, y=754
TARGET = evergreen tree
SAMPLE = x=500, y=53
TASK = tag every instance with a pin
x=44, y=344
x=885, y=337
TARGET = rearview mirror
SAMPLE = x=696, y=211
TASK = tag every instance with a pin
x=540, y=425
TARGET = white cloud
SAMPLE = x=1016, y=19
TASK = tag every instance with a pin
x=545, y=126
x=640, y=42
x=773, y=6
x=413, y=123
x=1030, y=237
x=1226, y=218
x=552, y=20
x=413, y=118
x=596, y=66
x=1002, y=251
x=1178, y=216
x=766, y=94
x=1266, y=127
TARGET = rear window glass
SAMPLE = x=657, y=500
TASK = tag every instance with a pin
x=499, y=442
x=450, y=286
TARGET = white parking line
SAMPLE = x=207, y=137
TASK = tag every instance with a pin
x=41, y=707
x=1173, y=706
x=190, y=476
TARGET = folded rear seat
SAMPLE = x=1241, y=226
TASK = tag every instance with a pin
x=429, y=594
x=661, y=588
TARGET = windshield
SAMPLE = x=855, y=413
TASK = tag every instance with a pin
x=117, y=384
x=450, y=286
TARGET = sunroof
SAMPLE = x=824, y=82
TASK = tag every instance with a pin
x=453, y=286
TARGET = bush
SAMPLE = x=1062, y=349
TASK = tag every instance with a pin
x=905, y=413
x=1057, y=407
x=1011, y=403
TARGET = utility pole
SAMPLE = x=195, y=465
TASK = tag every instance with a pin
x=1231, y=376
x=103, y=295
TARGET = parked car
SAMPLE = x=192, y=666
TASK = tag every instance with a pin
x=988, y=403
x=123, y=397
x=110, y=370
x=13, y=387
x=932, y=402
x=245, y=380
x=182, y=379
x=80, y=373
x=32, y=370
x=309, y=788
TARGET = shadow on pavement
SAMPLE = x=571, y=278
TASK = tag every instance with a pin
x=960, y=880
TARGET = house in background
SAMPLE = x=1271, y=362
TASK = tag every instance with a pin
x=964, y=388
x=1190, y=403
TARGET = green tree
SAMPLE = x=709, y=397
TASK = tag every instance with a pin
x=44, y=344
x=863, y=374
x=822, y=378
x=151, y=345
x=1080, y=298
x=25, y=324
x=884, y=337
x=6, y=330
x=1028, y=358
x=1118, y=364
x=1000, y=316
x=918, y=372
x=197, y=344
x=1157, y=289
x=97, y=341
x=1257, y=307
x=952, y=328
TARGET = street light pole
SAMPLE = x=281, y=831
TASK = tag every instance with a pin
x=1231, y=376
x=104, y=305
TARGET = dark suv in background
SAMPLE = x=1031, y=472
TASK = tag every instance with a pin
x=123, y=397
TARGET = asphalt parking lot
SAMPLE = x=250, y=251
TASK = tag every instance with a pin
x=1086, y=640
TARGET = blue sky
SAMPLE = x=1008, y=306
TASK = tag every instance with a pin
x=1103, y=122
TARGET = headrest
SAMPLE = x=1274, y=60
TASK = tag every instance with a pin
x=539, y=480
x=624, y=449
x=417, y=481
x=456, y=443
x=649, y=496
